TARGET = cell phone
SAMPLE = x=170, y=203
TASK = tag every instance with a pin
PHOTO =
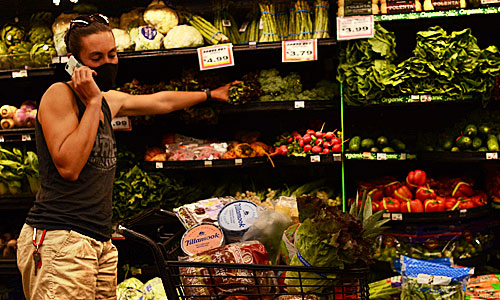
x=72, y=64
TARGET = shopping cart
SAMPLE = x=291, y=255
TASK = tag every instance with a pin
x=186, y=280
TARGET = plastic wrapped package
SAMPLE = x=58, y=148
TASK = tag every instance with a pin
x=196, y=152
x=203, y=211
x=484, y=287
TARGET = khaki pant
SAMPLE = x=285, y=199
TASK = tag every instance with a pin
x=74, y=266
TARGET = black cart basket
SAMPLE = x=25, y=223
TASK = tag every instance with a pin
x=187, y=280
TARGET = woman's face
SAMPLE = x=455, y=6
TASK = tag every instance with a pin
x=98, y=49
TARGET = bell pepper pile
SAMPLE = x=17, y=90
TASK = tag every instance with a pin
x=418, y=194
x=308, y=143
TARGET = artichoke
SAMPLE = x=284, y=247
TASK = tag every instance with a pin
x=41, y=54
x=4, y=59
x=43, y=18
x=12, y=34
x=19, y=54
x=40, y=35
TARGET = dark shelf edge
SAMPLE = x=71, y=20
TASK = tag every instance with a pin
x=16, y=202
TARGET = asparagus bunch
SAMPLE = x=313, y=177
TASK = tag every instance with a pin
x=303, y=21
x=292, y=25
x=211, y=34
x=225, y=22
x=282, y=22
x=268, y=15
x=321, y=22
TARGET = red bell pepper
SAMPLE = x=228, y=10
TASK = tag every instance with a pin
x=391, y=204
x=466, y=203
x=481, y=198
x=451, y=203
x=391, y=187
x=412, y=206
x=403, y=194
x=423, y=193
x=462, y=189
x=376, y=194
x=433, y=205
x=376, y=206
x=416, y=178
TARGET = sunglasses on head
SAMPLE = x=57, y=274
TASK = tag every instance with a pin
x=84, y=21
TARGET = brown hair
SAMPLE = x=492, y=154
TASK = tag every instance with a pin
x=74, y=35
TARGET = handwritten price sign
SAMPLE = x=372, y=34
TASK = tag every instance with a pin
x=299, y=50
x=356, y=27
x=216, y=56
x=121, y=123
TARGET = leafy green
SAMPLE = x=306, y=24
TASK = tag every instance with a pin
x=17, y=169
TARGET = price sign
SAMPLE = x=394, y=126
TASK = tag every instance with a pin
x=425, y=98
x=397, y=217
x=2, y=139
x=403, y=156
x=64, y=59
x=216, y=56
x=367, y=155
x=492, y=155
x=121, y=123
x=238, y=162
x=20, y=74
x=299, y=50
x=159, y=165
x=381, y=156
x=208, y=163
x=25, y=137
x=386, y=215
x=337, y=157
x=55, y=60
x=299, y=104
x=315, y=158
x=355, y=27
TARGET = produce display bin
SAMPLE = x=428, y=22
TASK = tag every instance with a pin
x=263, y=282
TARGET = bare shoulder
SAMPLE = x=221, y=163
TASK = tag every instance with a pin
x=57, y=100
x=115, y=100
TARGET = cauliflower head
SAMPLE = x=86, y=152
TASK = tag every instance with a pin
x=183, y=36
x=147, y=38
x=161, y=17
x=122, y=39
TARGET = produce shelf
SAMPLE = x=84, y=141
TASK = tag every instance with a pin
x=31, y=72
x=380, y=156
x=433, y=217
x=193, y=51
x=17, y=135
x=459, y=156
x=16, y=202
x=245, y=162
x=279, y=106
x=437, y=14
x=8, y=267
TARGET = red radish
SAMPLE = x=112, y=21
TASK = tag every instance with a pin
x=307, y=138
x=307, y=148
x=301, y=143
x=294, y=133
x=316, y=149
x=335, y=141
x=311, y=132
x=329, y=135
x=337, y=148
x=290, y=139
x=318, y=141
x=318, y=134
x=325, y=151
x=326, y=144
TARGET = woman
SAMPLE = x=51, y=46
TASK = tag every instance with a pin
x=64, y=249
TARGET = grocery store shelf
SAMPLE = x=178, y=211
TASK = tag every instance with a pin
x=438, y=14
x=459, y=156
x=245, y=162
x=17, y=135
x=278, y=106
x=432, y=217
x=31, y=72
x=16, y=202
x=380, y=156
x=8, y=267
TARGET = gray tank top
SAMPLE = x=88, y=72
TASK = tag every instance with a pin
x=85, y=204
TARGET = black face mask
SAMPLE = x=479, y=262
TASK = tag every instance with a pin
x=106, y=75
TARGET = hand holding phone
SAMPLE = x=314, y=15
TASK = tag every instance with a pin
x=72, y=64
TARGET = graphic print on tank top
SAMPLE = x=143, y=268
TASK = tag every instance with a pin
x=103, y=155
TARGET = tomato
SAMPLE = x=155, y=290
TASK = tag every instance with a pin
x=412, y=206
x=391, y=204
x=403, y=193
x=416, y=178
x=424, y=193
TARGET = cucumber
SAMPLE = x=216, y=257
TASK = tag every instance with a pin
x=476, y=143
x=355, y=144
x=470, y=130
x=492, y=143
x=367, y=144
x=382, y=141
x=388, y=150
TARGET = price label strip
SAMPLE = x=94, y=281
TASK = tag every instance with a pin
x=121, y=124
x=20, y=74
x=2, y=139
x=315, y=158
x=25, y=137
x=299, y=104
x=491, y=155
x=216, y=56
x=299, y=50
x=355, y=27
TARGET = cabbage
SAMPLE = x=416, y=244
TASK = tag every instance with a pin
x=122, y=39
x=161, y=17
x=132, y=17
x=130, y=289
x=154, y=290
x=147, y=38
x=62, y=22
x=183, y=36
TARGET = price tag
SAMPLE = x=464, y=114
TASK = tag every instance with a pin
x=2, y=139
x=355, y=27
x=397, y=217
x=425, y=98
x=403, y=156
x=299, y=50
x=121, y=123
x=208, y=163
x=159, y=165
x=64, y=59
x=216, y=56
x=261, y=24
x=55, y=60
x=386, y=215
x=492, y=155
x=463, y=212
x=299, y=104
x=367, y=155
x=25, y=137
x=381, y=156
x=244, y=27
x=226, y=23
x=20, y=74
x=337, y=157
x=238, y=162
x=252, y=44
x=315, y=158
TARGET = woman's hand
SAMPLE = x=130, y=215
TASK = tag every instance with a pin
x=85, y=86
x=222, y=93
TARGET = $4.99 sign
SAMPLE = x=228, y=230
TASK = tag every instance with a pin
x=299, y=50
x=216, y=56
x=356, y=27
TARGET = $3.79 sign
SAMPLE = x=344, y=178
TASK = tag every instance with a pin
x=299, y=50
x=216, y=56
x=355, y=27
